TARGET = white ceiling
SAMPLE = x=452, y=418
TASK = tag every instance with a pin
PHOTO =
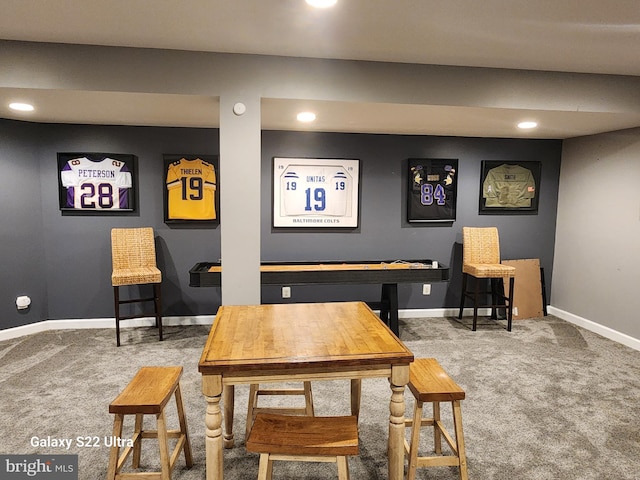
x=586, y=36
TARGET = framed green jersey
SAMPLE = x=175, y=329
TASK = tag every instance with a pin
x=509, y=187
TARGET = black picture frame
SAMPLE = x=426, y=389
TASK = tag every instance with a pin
x=432, y=190
x=509, y=187
x=193, y=181
x=318, y=193
x=91, y=183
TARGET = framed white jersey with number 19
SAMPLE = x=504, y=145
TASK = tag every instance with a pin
x=315, y=192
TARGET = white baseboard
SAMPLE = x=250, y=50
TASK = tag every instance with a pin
x=594, y=327
x=440, y=312
x=84, y=323
x=47, y=325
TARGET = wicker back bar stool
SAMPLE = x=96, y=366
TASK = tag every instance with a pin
x=133, y=256
x=481, y=260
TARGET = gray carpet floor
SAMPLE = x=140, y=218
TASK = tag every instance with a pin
x=547, y=401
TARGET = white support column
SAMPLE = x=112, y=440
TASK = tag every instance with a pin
x=240, y=166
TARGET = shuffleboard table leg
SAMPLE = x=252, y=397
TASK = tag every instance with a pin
x=390, y=298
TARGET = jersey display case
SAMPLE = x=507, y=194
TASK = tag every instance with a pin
x=432, y=190
x=509, y=187
x=190, y=188
x=314, y=192
x=97, y=183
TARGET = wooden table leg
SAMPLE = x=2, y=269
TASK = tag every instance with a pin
x=212, y=390
x=356, y=395
x=399, y=379
x=228, y=397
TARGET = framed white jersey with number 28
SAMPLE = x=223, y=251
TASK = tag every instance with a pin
x=315, y=192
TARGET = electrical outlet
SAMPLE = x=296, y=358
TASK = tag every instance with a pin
x=426, y=289
x=515, y=311
x=286, y=292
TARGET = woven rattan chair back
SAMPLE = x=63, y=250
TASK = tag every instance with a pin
x=481, y=245
x=133, y=256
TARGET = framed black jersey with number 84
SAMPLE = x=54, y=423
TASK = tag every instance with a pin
x=190, y=188
x=432, y=190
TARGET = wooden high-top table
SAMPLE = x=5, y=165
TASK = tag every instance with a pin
x=318, y=341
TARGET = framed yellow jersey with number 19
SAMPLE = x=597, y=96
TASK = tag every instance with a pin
x=190, y=188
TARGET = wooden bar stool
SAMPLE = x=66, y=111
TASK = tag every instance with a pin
x=255, y=392
x=430, y=383
x=148, y=394
x=303, y=439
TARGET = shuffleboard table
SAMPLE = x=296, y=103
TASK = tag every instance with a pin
x=388, y=273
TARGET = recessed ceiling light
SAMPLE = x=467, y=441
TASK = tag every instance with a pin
x=22, y=107
x=306, y=117
x=322, y=3
x=527, y=125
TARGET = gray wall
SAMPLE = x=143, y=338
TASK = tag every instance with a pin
x=597, y=261
x=23, y=265
x=384, y=233
x=249, y=78
x=64, y=262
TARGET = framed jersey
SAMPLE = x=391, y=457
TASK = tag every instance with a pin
x=315, y=192
x=432, y=189
x=191, y=188
x=509, y=187
x=97, y=183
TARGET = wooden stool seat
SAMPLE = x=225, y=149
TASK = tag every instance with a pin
x=255, y=392
x=303, y=439
x=430, y=383
x=148, y=394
